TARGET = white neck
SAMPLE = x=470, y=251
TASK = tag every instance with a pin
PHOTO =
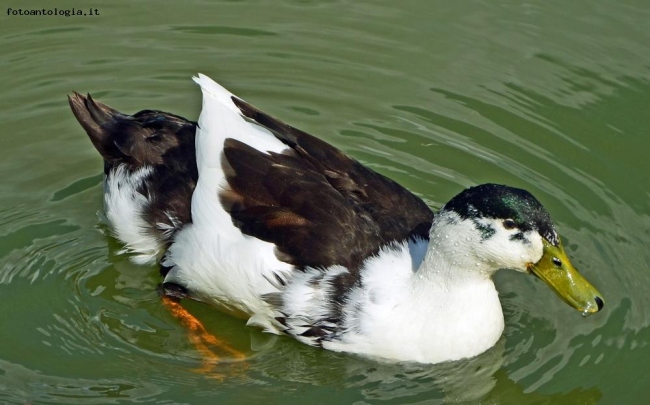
x=446, y=310
x=465, y=316
x=452, y=254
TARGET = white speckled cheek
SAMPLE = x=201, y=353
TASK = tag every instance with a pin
x=524, y=252
x=536, y=249
x=508, y=252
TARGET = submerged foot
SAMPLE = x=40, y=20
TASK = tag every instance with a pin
x=214, y=351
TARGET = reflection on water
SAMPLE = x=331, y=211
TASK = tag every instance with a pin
x=28, y=386
x=276, y=358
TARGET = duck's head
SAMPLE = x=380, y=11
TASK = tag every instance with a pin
x=509, y=228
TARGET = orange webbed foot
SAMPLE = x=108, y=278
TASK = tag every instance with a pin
x=207, y=344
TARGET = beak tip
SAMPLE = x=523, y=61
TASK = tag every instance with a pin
x=590, y=309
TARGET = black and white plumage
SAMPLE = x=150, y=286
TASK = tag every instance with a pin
x=150, y=172
x=304, y=240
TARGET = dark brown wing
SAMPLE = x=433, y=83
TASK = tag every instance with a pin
x=317, y=205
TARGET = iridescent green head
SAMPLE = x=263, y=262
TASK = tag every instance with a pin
x=516, y=231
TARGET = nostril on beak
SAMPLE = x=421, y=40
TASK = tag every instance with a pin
x=600, y=303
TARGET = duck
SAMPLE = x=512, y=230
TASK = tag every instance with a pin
x=149, y=173
x=299, y=239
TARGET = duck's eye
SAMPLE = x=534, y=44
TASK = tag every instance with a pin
x=509, y=224
x=557, y=262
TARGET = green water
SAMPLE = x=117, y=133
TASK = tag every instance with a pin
x=550, y=96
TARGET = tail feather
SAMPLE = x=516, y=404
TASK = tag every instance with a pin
x=150, y=168
x=93, y=117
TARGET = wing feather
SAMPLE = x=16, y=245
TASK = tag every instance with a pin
x=316, y=204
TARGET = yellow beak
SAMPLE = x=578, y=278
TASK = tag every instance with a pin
x=555, y=269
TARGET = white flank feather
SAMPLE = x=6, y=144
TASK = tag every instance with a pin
x=124, y=206
x=211, y=257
